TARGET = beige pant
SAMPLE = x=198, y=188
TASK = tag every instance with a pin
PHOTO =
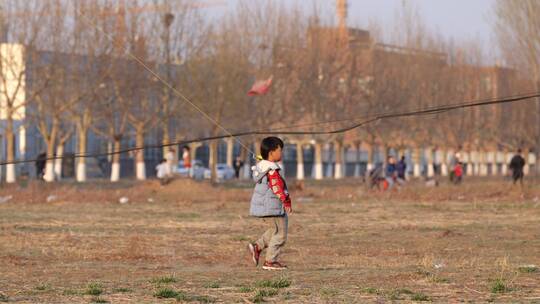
x=274, y=238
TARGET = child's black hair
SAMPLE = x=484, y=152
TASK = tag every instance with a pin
x=163, y=160
x=270, y=144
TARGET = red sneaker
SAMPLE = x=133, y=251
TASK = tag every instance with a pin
x=255, y=252
x=274, y=266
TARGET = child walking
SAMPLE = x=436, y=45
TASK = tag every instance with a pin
x=270, y=201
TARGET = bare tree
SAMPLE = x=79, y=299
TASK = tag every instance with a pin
x=21, y=33
x=518, y=31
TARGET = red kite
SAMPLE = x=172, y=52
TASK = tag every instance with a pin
x=261, y=87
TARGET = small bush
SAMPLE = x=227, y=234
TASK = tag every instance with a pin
x=245, y=289
x=99, y=300
x=164, y=280
x=420, y=297
x=371, y=290
x=71, y=292
x=329, y=292
x=43, y=287
x=166, y=293
x=94, y=289
x=499, y=286
x=212, y=285
x=202, y=299
x=262, y=293
x=122, y=290
x=277, y=284
x=528, y=269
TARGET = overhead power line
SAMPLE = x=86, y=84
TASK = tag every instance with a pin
x=359, y=122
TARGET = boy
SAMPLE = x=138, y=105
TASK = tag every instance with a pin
x=270, y=201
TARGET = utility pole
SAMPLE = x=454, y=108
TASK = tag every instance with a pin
x=168, y=19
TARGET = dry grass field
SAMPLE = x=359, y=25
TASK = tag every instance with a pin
x=186, y=242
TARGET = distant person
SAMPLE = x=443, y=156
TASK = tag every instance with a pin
x=238, y=164
x=456, y=175
x=40, y=165
x=401, y=168
x=376, y=176
x=163, y=172
x=517, y=163
x=270, y=201
x=186, y=158
x=169, y=157
x=390, y=173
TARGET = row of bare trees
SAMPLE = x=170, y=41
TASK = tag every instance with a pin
x=84, y=68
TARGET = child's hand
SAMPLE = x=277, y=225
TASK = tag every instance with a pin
x=288, y=205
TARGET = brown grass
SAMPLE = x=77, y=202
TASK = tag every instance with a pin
x=346, y=244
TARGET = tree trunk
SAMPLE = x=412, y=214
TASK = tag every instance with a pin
x=49, y=165
x=115, y=167
x=213, y=161
x=58, y=161
x=371, y=159
x=166, y=139
x=81, y=161
x=10, y=139
x=139, y=159
x=230, y=151
x=358, y=159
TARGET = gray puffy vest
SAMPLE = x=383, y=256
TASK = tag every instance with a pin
x=264, y=203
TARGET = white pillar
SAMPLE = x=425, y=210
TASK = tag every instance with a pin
x=531, y=161
x=501, y=160
x=318, y=161
x=482, y=160
x=508, y=158
x=492, y=159
x=527, y=157
x=357, y=164
x=470, y=166
x=10, y=174
x=473, y=160
x=81, y=170
x=141, y=170
x=417, y=172
x=430, y=162
x=445, y=163
x=299, y=161
x=371, y=158
x=338, y=172
x=115, y=172
x=22, y=142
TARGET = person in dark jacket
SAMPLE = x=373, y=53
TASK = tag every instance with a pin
x=516, y=165
x=238, y=164
x=401, y=169
x=40, y=165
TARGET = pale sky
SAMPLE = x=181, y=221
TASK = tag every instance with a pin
x=457, y=19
